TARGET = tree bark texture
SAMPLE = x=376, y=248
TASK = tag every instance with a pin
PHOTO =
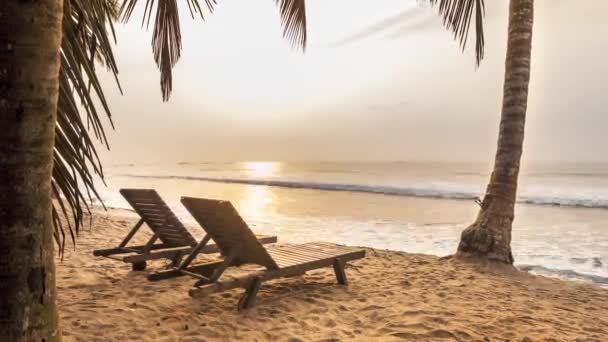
x=30, y=40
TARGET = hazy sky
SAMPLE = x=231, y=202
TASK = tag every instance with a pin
x=380, y=80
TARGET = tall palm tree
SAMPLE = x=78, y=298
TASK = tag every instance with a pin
x=30, y=40
x=490, y=235
x=49, y=102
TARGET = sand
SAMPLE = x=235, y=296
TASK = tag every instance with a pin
x=391, y=296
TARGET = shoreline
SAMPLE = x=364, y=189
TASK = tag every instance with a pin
x=392, y=296
x=564, y=274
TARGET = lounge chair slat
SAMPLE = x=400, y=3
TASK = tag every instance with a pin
x=283, y=263
x=174, y=237
x=333, y=251
x=147, y=201
x=168, y=232
x=153, y=211
x=167, y=224
x=332, y=247
x=283, y=260
x=290, y=256
x=151, y=206
x=144, y=202
x=299, y=257
x=153, y=214
x=163, y=221
x=286, y=263
x=175, y=242
x=164, y=214
x=329, y=246
x=307, y=249
x=315, y=251
x=292, y=261
x=154, y=222
x=134, y=197
x=297, y=250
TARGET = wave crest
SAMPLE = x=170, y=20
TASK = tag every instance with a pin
x=564, y=273
x=411, y=191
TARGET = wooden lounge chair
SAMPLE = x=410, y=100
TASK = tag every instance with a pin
x=175, y=240
x=239, y=246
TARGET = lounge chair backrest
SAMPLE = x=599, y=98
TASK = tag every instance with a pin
x=226, y=227
x=159, y=217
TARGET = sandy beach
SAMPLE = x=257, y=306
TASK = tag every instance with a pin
x=391, y=296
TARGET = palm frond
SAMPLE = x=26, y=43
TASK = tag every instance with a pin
x=293, y=19
x=166, y=36
x=457, y=16
x=87, y=38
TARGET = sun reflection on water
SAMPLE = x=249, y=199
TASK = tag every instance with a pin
x=262, y=169
x=256, y=201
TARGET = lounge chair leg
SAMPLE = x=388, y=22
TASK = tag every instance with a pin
x=217, y=272
x=339, y=270
x=176, y=260
x=248, y=298
x=132, y=232
x=139, y=266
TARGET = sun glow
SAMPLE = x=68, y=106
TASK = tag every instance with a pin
x=262, y=169
x=257, y=200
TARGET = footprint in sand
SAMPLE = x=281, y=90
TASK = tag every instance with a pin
x=440, y=333
x=329, y=323
x=405, y=336
x=318, y=310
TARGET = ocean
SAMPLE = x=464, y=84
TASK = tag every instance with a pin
x=560, y=228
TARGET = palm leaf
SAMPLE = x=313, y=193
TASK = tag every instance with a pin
x=87, y=37
x=457, y=16
x=293, y=19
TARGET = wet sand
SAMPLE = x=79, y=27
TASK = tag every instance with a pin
x=391, y=296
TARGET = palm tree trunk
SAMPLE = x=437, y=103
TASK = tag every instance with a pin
x=30, y=39
x=490, y=235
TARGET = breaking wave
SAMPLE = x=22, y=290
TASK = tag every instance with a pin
x=425, y=191
x=565, y=274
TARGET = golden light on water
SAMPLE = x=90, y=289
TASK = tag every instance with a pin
x=262, y=169
x=257, y=199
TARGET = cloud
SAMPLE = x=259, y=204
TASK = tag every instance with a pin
x=379, y=27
